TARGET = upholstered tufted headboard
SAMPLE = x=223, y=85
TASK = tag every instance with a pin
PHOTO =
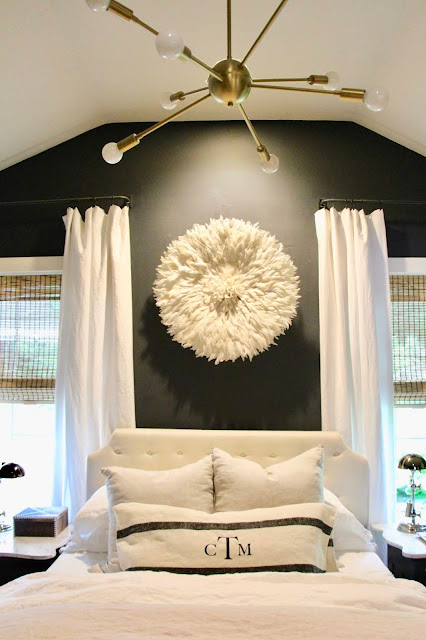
x=345, y=473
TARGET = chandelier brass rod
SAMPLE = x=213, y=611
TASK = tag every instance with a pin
x=267, y=86
x=144, y=25
x=181, y=95
x=188, y=55
x=189, y=93
x=123, y=12
x=229, y=27
x=250, y=126
x=264, y=30
x=281, y=79
x=142, y=134
x=356, y=95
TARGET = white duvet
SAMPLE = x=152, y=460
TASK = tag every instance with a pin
x=161, y=606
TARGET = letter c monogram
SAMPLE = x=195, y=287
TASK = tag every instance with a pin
x=207, y=546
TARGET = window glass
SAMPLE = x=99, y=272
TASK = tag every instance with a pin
x=410, y=431
x=29, y=326
x=27, y=438
x=408, y=298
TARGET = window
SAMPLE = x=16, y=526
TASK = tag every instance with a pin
x=408, y=299
x=410, y=428
x=29, y=329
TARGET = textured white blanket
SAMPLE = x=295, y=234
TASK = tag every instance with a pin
x=159, y=605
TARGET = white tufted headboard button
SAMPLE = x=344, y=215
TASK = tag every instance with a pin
x=179, y=453
x=118, y=451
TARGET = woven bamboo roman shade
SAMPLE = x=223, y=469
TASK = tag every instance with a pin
x=408, y=296
x=29, y=330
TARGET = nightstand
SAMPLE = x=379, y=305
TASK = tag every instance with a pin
x=406, y=554
x=21, y=555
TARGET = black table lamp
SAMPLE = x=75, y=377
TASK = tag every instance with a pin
x=413, y=462
x=9, y=470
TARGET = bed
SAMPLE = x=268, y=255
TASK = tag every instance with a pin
x=185, y=569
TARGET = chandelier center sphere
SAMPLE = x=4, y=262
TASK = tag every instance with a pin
x=236, y=82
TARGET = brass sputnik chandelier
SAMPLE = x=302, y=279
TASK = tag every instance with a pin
x=229, y=82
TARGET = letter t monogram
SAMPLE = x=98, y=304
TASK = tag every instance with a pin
x=227, y=538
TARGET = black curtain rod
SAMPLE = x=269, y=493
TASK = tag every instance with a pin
x=126, y=199
x=323, y=201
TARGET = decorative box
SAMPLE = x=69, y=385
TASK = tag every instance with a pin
x=41, y=521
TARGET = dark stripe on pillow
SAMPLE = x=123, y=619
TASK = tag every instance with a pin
x=331, y=543
x=224, y=526
x=301, y=568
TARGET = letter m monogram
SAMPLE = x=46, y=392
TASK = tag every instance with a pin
x=244, y=552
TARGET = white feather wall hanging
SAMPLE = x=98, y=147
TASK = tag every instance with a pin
x=226, y=289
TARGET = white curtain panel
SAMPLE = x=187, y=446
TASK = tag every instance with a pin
x=355, y=344
x=94, y=385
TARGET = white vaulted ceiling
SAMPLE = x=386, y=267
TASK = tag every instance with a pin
x=65, y=69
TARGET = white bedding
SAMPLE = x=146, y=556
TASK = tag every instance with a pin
x=363, y=601
x=364, y=564
x=77, y=563
x=157, y=606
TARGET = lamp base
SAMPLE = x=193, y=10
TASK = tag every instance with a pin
x=409, y=527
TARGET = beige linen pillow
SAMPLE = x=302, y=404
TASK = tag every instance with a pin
x=189, y=486
x=243, y=484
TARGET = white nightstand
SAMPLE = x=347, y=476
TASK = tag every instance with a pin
x=21, y=554
x=406, y=553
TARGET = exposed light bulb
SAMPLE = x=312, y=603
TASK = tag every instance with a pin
x=169, y=44
x=271, y=166
x=111, y=153
x=376, y=99
x=165, y=101
x=98, y=5
x=333, y=80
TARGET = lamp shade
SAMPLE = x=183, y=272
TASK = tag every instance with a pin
x=11, y=470
x=412, y=461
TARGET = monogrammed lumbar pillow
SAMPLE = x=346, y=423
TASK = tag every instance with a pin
x=160, y=538
x=188, y=486
x=242, y=484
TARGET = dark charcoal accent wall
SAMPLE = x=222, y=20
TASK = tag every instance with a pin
x=190, y=172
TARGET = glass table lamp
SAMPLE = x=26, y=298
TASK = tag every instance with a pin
x=413, y=462
x=9, y=470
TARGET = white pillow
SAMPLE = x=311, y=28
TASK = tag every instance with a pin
x=348, y=533
x=189, y=486
x=242, y=484
x=91, y=525
x=163, y=538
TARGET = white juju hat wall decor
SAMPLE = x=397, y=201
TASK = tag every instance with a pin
x=226, y=289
